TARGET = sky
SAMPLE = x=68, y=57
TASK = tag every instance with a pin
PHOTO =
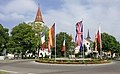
x=65, y=13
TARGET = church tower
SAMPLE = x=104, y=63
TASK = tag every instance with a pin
x=88, y=35
x=38, y=18
x=38, y=23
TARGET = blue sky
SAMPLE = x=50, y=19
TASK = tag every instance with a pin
x=65, y=13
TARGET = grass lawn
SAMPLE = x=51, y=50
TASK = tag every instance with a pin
x=1, y=72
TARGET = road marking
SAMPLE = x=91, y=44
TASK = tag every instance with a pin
x=31, y=73
x=8, y=71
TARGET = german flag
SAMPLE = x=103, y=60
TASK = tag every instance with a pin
x=52, y=35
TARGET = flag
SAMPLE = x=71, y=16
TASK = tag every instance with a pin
x=43, y=39
x=63, y=47
x=52, y=35
x=49, y=44
x=99, y=38
x=95, y=43
x=79, y=35
x=98, y=35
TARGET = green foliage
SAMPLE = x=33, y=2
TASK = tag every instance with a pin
x=92, y=46
x=11, y=45
x=38, y=28
x=59, y=43
x=72, y=61
x=22, y=38
x=1, y=72
x=46, y=32
x=4, y=37
x=109, y=43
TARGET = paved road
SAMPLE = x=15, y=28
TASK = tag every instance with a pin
x=30, y=67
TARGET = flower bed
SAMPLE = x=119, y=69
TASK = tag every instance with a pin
x=73, y=61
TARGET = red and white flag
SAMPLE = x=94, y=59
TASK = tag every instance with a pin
x=43, y=39
x=99, y=37
x=63, y=47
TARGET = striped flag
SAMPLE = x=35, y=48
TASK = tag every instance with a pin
x=95, y=43
x=52, y=35
x=63, y=47
x=79, y=35
x=43, y=39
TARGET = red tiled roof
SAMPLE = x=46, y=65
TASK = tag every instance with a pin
x=38, y=16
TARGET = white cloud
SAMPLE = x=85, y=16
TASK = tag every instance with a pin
x=17, y=11
x=104, y=13
x=20, y=6
x=94, y=13
x=14, y=16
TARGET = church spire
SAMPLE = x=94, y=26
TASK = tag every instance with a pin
x=39, y=16
x=88, y=35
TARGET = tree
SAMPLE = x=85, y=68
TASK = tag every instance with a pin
x=4, y=37
x=38, y=28
x=11, y=45
x=109, y=43
x=59, y=43
x=23, y=38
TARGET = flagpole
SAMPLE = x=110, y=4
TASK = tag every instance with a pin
x=64, y=49
x=83, y=40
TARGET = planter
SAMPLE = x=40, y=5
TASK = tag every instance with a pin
x=73, y=62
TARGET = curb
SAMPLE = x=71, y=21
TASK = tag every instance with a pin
x=72, y=64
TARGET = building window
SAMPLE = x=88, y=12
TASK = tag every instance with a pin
x=87, y=43
x=89, y=48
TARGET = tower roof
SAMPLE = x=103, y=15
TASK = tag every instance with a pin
x=88, y=35
x=38, y=16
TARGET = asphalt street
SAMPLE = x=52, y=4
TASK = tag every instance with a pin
x=31, y=67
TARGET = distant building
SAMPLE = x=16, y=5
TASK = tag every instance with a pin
x=38, y=18
x=38, y=23
x=38, y=26
x=87, y=42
